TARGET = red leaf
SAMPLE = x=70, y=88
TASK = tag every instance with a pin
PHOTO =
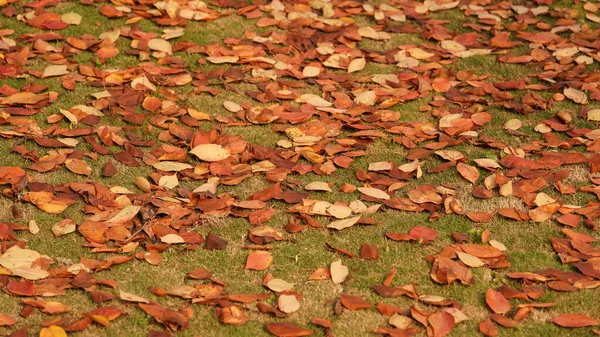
x=286, y=329
x=369, y=252
x=488, y=328
x=214, y=242
x=425, y=234
x=441, y=323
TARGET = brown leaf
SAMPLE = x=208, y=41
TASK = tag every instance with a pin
x=213, y=242
x=232, y=315
x=369, y=252
x=468, y=172
x=574, y=320
x=354, y=302
x=286, y=329
x=441, y=323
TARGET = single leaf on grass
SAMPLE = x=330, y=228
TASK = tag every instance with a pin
x=351, y=302
x=513, y=124
x=71, y=18
x=78, y=166
x=400, y=321
x=288, y=303
x=160, y=45
x=470, y=260
x=575, y=95
x=53, y=331
x=232, y=315
x=488, y=328
x=210, y=152
x=320, y=274
x=423, y=233
x=153, y=258
x=259, y=260
x=574, y=320
x=369, y=252
x=318, y=186
x=338, y=272
x=468, y=172
x=6, y=320
x=279, y=285
x=593, y=115
x=498, y=245
x=374, y=193
x=109, y=169
x=213, y=242
x=496, y=301
x=200, y=274
x=504, y=321
x=232, y=106
x=128, y=297
x=287, y=329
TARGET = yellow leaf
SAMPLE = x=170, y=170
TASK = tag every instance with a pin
x=71, y=18
x=53, y=331
x=279, y=285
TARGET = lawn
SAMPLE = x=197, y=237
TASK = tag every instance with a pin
x=335, y=168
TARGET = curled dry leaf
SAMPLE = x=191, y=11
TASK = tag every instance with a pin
x=287, y=329
x=259, y=260
x=78, y=166
x=232, y=315
x=53, y=331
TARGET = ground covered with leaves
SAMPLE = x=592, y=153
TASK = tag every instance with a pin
x=297, y=168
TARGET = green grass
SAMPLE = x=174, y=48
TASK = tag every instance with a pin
x=300, y=254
